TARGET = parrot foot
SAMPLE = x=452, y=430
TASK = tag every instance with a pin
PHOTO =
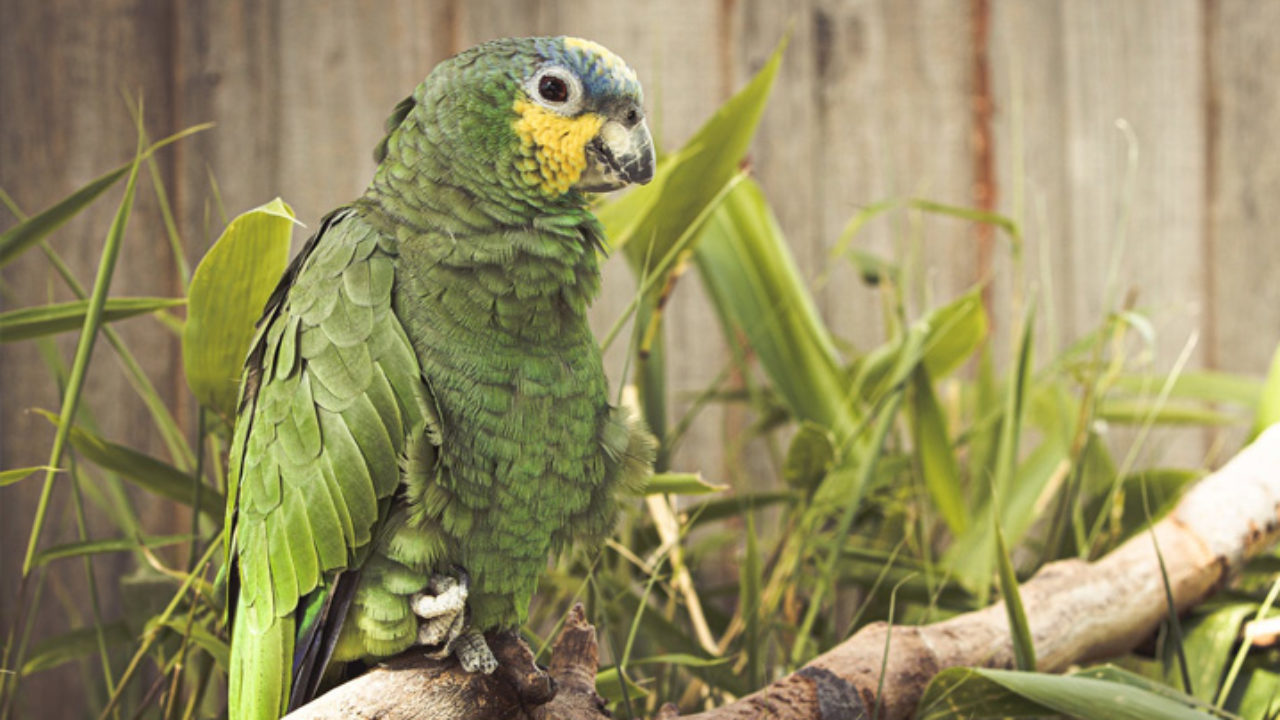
x=474, y=653
x=442, y=609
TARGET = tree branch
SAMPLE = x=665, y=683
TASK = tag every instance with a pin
x=1078, y=611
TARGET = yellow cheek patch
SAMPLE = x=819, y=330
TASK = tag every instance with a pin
x=552, y=147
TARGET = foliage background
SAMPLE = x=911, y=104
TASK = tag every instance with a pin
x=1008, y=105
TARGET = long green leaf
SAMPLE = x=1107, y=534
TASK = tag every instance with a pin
x=27, y=323
x=150, y=474
x=935, y=454
x=981, y=693
x=28, y=232
x=686, y=182
x=228, y=291
x=972, y=556
x=757, y=291
x=98, y=547
x=1207, y=641
x=1024, y=647
x=1204, y=385
x=750, y=584
x=1137, y=411
x=9, y=477
x=205, y=640
x=84, y=350
x=72, y=645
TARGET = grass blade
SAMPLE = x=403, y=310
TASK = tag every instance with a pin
x=9, y=477
x=109, y=545
x=22, y=236
x=983, y=693
x=72, y=645
x=27, y=323
x=152, y=475
x=935, y=454
x=1024, y=647
x=84, y=349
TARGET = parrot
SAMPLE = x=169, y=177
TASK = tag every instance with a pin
x=424, y=417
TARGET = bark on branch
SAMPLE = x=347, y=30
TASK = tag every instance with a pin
x=1078, y=611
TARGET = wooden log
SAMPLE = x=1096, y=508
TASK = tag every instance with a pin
x=1077, y=610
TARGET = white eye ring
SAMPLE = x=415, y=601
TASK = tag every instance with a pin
x=555, y=88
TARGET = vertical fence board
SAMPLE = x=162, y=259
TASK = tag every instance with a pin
x=1066, y=74
x=1242, y=252
x=65, y=122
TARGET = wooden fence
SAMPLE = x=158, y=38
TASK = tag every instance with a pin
x=1134, y=139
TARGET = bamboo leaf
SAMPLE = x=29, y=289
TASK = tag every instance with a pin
x=609, y=684
x=27, y=233
x=972, y=214
x=27, y=323
x=144, y=471
x=9, y=477
x=687, y=181
x=1138, y=411
x=1259, y=694
x=948, y=335
x=1024, y=647
x=98, y=547
x=956, y=331
x=1204, y=385
x=84, y=351
x=935, y=454
x=1207, y=641
x=1018, y=485
x=228, y=291
x=22, y=236
x=205, y=640
x=758, y=293
x=72, y=645
x=981, y=693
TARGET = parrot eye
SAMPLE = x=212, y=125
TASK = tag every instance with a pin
x=557, y=89
x=553, y=89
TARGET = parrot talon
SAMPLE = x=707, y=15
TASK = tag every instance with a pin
x=474, y=653
x=441, y=610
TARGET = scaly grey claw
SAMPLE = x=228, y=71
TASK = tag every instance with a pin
x=474, y=653
x=442, y=609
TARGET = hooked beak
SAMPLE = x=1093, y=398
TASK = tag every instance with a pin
x=618, y=156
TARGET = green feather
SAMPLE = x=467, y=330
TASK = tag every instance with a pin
x=424, y=391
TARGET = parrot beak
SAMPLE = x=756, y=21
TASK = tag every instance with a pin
x=618, y=156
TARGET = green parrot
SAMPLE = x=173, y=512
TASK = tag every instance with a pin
x=423, y=415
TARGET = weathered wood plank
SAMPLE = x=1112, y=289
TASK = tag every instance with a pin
x=1103, y=230
x=64, y=123
x=1241, y=252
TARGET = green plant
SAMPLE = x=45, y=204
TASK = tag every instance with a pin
x=906, y=478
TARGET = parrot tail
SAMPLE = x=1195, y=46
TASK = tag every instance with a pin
x=261, y=665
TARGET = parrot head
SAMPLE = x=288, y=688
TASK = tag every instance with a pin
x=579, y=119
x=548, y=118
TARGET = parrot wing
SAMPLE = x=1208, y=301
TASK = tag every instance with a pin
x=331, y=391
